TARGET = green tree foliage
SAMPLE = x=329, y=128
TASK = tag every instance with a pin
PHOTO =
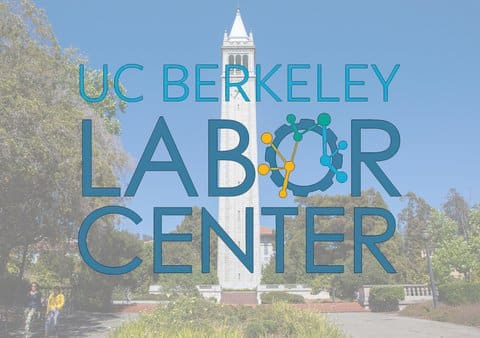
x=278, y=296
x=452, y=252
x=196, y=317
x=334, y=253
x=412, y=221
x=139, y=280
x=321, y=283
x=188, y=253
x=53, y=268
x=373, y=274
x=40, y=158
x=40, y=133
x=90, y=290
x=385, y=299
x=474, y=240
x=458, y=210
x=111, y=247
x=460, y=292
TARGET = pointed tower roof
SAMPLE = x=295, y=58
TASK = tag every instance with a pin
x=238, y=30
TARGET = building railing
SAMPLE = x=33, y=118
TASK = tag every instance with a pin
x=280, y=287
x=414, y=293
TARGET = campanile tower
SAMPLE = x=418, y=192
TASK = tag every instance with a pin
x=238, y=48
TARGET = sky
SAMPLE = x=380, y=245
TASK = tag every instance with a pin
x=433, y=99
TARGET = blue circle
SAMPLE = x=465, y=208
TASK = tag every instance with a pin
x=342, y=145
x=325, y=160
x=291, y=118
x=341, y=176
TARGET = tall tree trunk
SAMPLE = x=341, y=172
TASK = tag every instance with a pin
x=3, y=262
x=24, y=261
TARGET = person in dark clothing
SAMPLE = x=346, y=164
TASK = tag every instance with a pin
x=33, y=306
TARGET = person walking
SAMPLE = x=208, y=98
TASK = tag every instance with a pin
x=56, y=300
x=33, y=307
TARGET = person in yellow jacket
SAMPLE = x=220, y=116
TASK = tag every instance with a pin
x=56, y=300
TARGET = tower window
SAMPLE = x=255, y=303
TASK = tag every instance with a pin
x=231, y=60
x=238, y=59
x=245, y=61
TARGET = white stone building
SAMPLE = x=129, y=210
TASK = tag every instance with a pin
x=234, y=279
x=267, y=238
x=238, y=48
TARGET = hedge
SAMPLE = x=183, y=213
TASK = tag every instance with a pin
x=278, y=296
x=195, y=317
x=385, y=298
x=459, y=292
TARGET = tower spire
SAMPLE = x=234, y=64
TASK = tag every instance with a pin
x=238, y=49
x=238, y=30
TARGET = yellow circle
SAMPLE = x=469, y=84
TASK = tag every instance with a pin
x=267, y=138
x=282, y=193
x=263, y=169
x=289, y=165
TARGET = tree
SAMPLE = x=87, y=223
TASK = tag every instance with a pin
x=111, y=247
x=332, y=253
x=40, y=114
x=413, y=220
x=176, y=253
x=451, y=251
x=349, y=282
x=139, y=280
x=458, y=210
x=454, y=254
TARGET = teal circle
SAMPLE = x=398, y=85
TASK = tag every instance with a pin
x=297, y=136
x=324, y=119
x=325, y=160
x=342, y=145
x=291, y=118
x=341, y=176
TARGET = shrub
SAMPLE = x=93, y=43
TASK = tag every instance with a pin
x=196, y=317
x=464, y=314
x=321, y=283
x=460, y=292
x=259, y=328
x=277, y=296
x=373, y=274
x=385, y=298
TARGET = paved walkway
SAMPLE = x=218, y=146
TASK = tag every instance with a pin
x=368, y=325
x=332, y=307
x=356, y=324
x=86, y=325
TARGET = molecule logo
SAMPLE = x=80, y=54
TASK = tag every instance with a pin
x=331, y=157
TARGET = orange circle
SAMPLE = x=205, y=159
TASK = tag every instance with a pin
x=282, y=193
x=289, y=165
x=263, y=169
x=267, y=138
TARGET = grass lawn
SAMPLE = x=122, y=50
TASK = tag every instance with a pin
x=465, y=314
x=196, y=317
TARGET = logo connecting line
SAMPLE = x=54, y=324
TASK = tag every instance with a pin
x=332, y=161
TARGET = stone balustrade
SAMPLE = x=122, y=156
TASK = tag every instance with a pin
x=414, y=293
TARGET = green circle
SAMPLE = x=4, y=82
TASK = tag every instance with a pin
x=324, y=119
x=297, y=137
x=291, y=118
